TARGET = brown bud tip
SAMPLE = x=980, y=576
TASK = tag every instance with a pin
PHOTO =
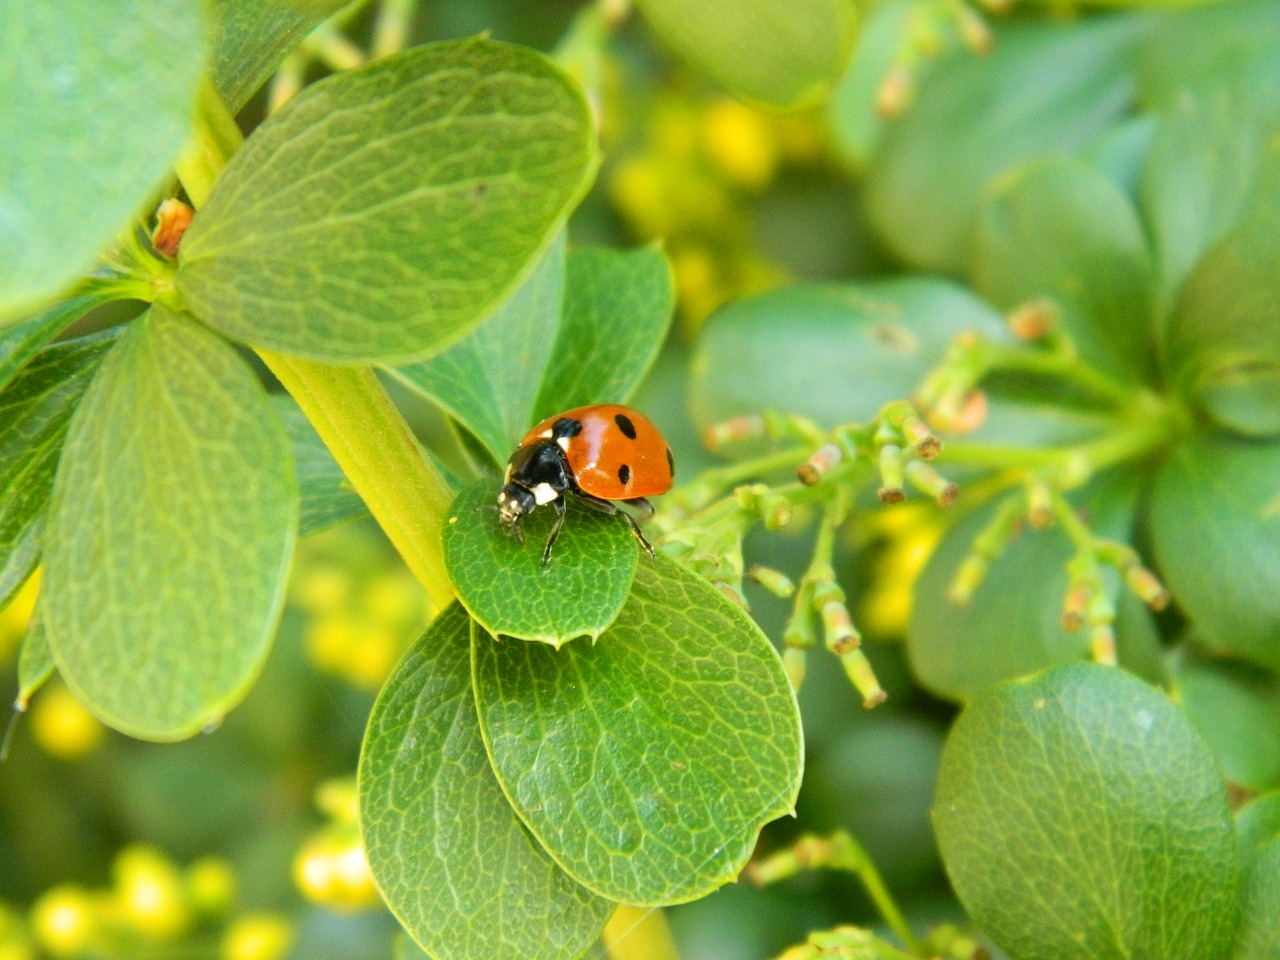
x=807, y=474
x=972, y=413
x=172, y=219
x=947, y=495
x=896, y=92
x=846, y=644
x=874, y=700
x=1071, y=620
x=1040, y=517
x=891, y=494
x=1033, y=319
x=928, y=447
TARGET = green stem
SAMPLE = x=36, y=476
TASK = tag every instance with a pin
x=1071, y=369
x=858, y=861
x=347, y=405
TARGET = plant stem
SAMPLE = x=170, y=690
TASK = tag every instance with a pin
x=347, y=405
x=1071, y=369
x=380, y=456
x=639, y=933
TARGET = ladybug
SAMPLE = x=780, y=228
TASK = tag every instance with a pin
x=603, y=455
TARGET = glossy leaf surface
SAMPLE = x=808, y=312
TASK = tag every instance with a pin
x=1081, y=817
x=169, y=533
x=645, y=763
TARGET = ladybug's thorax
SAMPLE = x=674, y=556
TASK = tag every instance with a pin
x=536, y=474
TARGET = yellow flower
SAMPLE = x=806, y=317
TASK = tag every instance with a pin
x=331, y=869
x=62, y=726
x=149, y=893
x=15, y=617
x=741, y=143
x=257, y=936
x=210, y=886
x=64, y=921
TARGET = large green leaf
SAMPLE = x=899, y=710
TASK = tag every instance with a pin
x=325, y=494
x=1081, y=817
x=833, y=353
x=617, y=307
x=507, y=589
x=785, y=55
x=1236, y=707
x=97, y=101
x=1260, y=906
x=1061, y=230
x=1202, y=171
x=35, y=409
x=1257, y=822
x=253, y=36
x=1215, y=525
x=35, y=660
x=169, y=532
x=645, y=763
x=1047, y=89
x=384, y=211
x=451, y=858
x=1224, y=336
x=1011, y=626
x=489, y=380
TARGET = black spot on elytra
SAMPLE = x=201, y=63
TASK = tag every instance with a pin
x=625, y=425
x=566, y=427
x=671, y=463
x=624, y=474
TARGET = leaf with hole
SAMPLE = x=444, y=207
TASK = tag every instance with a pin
x=169, y=532
x=647, y=762
x=1081, y=817
x=504, y=585
x=83, y=80
x=434, y=818
x=384, y=211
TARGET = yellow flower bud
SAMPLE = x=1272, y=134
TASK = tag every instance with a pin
x=64, y=921
x=62, y=726
x=740, y=143
x=257, y=936
x=149, y=893
x=210, y=886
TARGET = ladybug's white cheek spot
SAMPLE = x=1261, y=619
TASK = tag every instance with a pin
x=563, y=444
x=546, y=434
x=543, y=493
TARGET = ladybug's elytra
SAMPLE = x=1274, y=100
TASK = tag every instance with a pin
x=603, y=454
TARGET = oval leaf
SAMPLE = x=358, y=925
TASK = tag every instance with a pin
x=1046, y=89
x=253, y=37
x=434, y=819
x=645, y=763
x=1081, y=818
x=170, y=529
x=1061, y=230
x=1236, y=708
x=783, y=55
x=35, y=410
x=507, y=589
x=1257, y=822
x=384, y=211
x=1215, y=526
x=23, y=340
x=488, y=381
x=35, y=661
x=81, y=81
x=326, y=497
x=617, y=307
x=1260, y=906
x=833, y=353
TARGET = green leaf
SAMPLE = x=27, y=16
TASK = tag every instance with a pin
x=1257, y=822
x=1236, y=708
x=253, y=37
x=489, y=380
x=35, y=661
x=21, y=341
x=35, y=410
x=1224, y=336
x=645, y=763
x=448, y=853
x=1081, y=817
x=1212, y=142
x=1046, y=89
x=1122, y=150
x=169, y=533
x=326, y=495
x=1260, y=906
x=1215, y=526
x=617, y=308
x=780, y=55
x=82, y=81
x=833, y=353
x=1060, y=229
x=507, y=589
x=384, y=211
x=1011, y=626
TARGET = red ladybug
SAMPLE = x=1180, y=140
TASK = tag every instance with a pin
x=602, y=454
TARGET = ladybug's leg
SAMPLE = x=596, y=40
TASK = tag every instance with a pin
x=558, y=503
x=607, y=506
x=646, y=508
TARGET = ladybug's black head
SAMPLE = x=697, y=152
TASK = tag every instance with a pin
x=514, y=501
